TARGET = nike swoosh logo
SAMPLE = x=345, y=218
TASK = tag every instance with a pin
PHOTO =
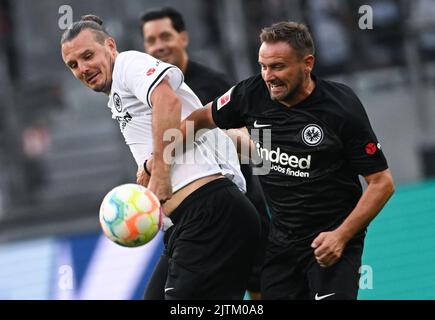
x=317, y=297
x=256, y=125
x=167, y=289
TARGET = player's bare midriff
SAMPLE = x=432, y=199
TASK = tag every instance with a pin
x=178, y=197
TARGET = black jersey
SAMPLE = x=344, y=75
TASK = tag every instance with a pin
x=317, y=150
x=205, y=82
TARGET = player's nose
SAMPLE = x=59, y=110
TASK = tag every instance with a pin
x=83, y=69
x=268, y=75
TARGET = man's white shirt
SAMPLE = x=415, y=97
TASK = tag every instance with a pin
x=135, y=76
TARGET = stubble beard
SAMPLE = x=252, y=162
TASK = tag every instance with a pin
x=293, y=91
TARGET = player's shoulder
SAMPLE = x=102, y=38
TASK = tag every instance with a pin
x=338, y=90
x=251, y=86
x=130, y=62
x=244, y=93
x=343, y=97
x=132, y=55
x=253, y=83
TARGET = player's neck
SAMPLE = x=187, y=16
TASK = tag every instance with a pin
x=112, y=63
x=301, y=94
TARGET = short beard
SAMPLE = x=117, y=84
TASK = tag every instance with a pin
x=99, y=89
x=107, y=86
x=291, y=94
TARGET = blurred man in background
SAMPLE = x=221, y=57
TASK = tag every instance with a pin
x=165, y=37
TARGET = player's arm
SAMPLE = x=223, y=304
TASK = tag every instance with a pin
x=243, y=143
x=380, y=188
x=329, y=245
x=201, y=118
x=166, y=115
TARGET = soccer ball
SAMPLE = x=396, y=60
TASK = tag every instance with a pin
x=130, y=215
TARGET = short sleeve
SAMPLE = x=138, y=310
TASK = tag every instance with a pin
x=142, y=74
x=362, y=147
x=227, y=109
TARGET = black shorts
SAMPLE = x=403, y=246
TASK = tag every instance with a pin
x=211, y=246
x=256, y=196
x=291, y=272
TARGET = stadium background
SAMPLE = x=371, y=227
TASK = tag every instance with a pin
x=60, y=152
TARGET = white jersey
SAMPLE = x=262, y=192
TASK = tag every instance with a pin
x=135, y=76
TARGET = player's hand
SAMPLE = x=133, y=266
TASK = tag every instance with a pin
x=160, y=184
x=142, y=177
x=328, y=247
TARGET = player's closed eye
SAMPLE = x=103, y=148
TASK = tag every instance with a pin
x=277, y=66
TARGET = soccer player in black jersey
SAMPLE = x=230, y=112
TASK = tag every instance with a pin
x=321, y=141
x=165, y=37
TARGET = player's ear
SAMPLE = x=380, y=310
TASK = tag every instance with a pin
x=111, y=44
x=184, y=38
x=309, y=62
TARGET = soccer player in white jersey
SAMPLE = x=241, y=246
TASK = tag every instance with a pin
x=216, y=229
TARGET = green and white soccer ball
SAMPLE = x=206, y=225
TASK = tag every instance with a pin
x=130, y=215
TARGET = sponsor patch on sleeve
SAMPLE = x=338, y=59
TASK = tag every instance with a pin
x=151, y=71
x=224, y=99
x=371, y=148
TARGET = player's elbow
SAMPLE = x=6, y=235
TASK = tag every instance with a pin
x=388, y=184
x=382, y=182
x=392, y=187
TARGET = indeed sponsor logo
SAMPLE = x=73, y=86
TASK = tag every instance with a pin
x=276, y=156
x=279, y=158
